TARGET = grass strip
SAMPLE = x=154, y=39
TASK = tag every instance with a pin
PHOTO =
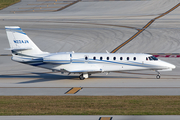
x=89, y=105
x=6, y=3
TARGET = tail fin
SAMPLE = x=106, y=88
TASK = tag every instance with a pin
x=19, y=42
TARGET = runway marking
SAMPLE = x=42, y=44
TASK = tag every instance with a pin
x=73, y=90
x=105, y=118
x=168, y=11
x=72, y=3
x=146, y=26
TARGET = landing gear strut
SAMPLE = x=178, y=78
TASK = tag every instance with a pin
x=158, y=76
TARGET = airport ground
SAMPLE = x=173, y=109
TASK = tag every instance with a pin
x=94, y=27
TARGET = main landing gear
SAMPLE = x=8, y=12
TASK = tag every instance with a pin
x=158, y=76
x=81, y=77
x=84, y=76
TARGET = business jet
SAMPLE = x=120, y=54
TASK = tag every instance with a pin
x=25, y=51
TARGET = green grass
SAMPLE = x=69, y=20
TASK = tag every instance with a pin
x=6, y=3
x=89, y=105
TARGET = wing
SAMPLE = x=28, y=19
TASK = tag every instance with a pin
x=81, y=68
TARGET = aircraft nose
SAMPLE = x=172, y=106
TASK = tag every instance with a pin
x=171, y=66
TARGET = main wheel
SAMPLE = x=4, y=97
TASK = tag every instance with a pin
x=158, y=76
x=81, y=77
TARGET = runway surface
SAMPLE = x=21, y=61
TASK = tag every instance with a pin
x=91, y=91
x=94, y=27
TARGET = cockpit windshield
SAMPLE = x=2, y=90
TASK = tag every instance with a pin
x=151, y=58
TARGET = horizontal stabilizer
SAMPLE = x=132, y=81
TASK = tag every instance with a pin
x=18, y=49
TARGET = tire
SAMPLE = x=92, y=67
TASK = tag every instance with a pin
x=158, y=77
x=81, y=77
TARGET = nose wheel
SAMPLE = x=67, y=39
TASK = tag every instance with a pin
x=158, y=76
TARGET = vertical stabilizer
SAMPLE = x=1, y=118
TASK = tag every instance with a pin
x=19, y=42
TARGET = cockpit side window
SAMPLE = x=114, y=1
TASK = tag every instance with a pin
x=152, y=58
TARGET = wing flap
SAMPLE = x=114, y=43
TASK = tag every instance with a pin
x=81, y=68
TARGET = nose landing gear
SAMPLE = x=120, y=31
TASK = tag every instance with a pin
x=158, y=76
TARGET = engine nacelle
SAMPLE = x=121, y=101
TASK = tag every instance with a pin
x=57, y=58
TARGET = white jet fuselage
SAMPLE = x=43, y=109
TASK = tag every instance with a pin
x=25, y=51
x=95, y=62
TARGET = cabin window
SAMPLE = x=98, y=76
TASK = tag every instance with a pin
x=134, y=58
x=127, y=58
x=86, y=58
x=94, y=58
x=107, y=58
x=101, y=58
x=114, y=58
x=121, y=58
x=146, y=58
